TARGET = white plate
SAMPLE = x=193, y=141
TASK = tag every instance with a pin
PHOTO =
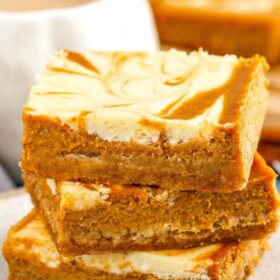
x=14, y=205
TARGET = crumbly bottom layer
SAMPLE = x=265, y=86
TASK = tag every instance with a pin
x=121, y=170
x=74, y=247
x=53, y=150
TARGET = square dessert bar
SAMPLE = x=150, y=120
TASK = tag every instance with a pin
x=221, y=26
x=84, y=218
x=168, y=119
x=31, y=254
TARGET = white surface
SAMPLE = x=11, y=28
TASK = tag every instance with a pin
x=28, y=39
x=14, y=206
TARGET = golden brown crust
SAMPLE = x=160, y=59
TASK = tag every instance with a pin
x=251, y=33
x=249, y=137
x=177, y=219
x=51, y=150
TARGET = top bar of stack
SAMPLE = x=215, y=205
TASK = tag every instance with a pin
x=178, y=121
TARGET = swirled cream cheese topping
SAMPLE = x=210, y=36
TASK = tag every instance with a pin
x=76, y=196
x=237, y=6
x=34, y=239
x=139, y=96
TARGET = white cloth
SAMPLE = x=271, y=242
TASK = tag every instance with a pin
x=27, y=40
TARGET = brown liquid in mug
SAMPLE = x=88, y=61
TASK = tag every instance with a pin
x=34, y=5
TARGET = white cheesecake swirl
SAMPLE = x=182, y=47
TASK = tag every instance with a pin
x=137, y=96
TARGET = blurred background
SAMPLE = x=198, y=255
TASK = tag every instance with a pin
x=32, y=30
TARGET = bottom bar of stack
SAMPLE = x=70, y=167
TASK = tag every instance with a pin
x=32, y=255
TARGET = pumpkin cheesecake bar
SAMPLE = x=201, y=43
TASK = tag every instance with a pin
x=167, y=119
x=84, y=218
x=31, y=254
x=253, y=28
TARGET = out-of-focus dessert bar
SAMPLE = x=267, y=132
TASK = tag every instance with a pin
x=241, y=27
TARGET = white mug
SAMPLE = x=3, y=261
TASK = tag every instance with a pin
x=28, y=38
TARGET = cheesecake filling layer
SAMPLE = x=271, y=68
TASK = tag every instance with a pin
x=138, y=96
x=77, y=197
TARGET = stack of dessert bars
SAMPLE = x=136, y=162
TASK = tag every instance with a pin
x=144, y=166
